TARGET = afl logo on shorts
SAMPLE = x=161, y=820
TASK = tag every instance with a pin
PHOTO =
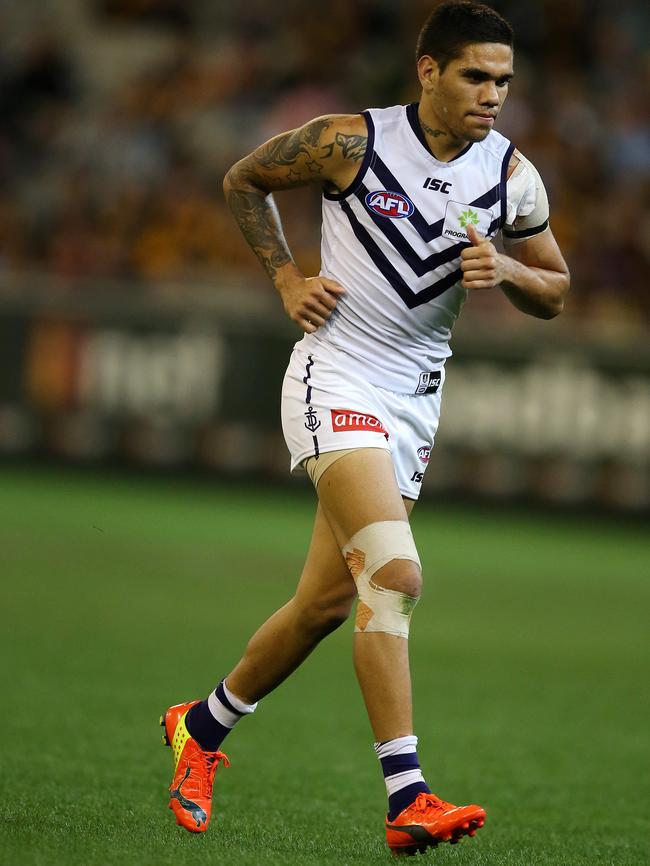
x=393, y=205
x=424, y=453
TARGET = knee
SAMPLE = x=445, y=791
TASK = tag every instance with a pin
x=384, y=562
x=400, y=575
x=385, y=553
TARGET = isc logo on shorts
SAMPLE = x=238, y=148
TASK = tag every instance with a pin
x=393, y=205
x=429, y=383
x=347, y=419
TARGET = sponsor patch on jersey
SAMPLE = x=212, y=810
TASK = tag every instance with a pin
x=393, y=205
x=458, y=216
x=348, y=419
x=424, y=453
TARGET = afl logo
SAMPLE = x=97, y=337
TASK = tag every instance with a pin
x=393, y=205
x=424, y=453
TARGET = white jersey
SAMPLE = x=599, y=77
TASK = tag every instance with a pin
x=393, y=240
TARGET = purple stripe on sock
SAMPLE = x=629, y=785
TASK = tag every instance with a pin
x=399, y=763
x=204, y=728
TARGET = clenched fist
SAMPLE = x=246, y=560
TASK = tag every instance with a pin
x=482, y=266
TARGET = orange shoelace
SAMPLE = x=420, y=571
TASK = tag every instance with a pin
x=207, y=762
x=425, y=802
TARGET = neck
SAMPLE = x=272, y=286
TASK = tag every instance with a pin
x=443, y=144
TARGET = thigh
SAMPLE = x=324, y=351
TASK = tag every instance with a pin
x=325, y=578
x=359, y=489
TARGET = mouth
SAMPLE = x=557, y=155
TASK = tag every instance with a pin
x=483, y=117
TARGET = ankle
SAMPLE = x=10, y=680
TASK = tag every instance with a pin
x=402, y=773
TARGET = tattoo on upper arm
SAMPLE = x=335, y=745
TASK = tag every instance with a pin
x=286, y=149
x=353, y=147
x=304, y=154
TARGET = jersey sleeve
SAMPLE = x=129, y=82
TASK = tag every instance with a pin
x=527, y=203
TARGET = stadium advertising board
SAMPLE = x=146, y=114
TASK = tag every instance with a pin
x=518, y=421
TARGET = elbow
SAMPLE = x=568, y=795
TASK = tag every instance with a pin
x=241, y=179
x=555, y=304
x=553, y=309
x=234, y=178
x=228, y=182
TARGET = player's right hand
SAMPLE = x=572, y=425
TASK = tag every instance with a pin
x=310, y=301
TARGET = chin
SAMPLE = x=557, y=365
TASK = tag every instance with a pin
x=476, y=135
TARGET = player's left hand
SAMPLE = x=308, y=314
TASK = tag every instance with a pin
x=482, y=266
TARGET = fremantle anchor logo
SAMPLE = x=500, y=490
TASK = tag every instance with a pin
x=312, y=423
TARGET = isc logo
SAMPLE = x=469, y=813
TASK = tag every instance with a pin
x=393, y=205
x=437, y=185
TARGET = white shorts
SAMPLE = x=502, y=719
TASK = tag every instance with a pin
x=326, y=408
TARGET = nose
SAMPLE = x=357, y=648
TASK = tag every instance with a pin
x=489, y=94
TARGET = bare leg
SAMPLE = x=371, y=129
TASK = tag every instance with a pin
x=357, y=490
x=323, y=600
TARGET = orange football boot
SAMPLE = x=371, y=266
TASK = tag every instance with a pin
x=430, y=820
x=190, y=793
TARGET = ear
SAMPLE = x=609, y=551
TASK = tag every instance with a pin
x=428, y=72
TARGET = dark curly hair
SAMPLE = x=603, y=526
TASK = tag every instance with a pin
x=457, y=23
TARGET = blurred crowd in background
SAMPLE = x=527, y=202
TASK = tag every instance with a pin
x=119, y=118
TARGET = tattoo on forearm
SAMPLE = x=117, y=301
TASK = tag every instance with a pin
x=260, y=226
x=433, y=132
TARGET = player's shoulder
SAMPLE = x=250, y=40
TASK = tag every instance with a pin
x=521, y=165
x=333, y=125
x=346, y=124
x=388, y=113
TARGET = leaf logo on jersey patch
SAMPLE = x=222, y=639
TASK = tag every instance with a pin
x=468, y=217
x=393, y=205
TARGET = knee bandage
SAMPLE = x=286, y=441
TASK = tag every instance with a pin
x=375, y=545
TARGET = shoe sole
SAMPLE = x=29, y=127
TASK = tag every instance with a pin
x=164, y=738
x=454, y=836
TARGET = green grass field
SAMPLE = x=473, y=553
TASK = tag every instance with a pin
x=120, y=596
